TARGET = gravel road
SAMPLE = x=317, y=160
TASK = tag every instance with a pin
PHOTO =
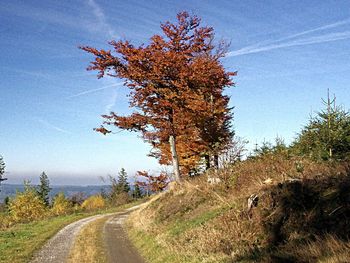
x=120, y=250
x=57, y=249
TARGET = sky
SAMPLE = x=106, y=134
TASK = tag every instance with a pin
x=287, y=54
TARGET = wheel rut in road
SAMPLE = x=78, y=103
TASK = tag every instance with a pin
x=119, y=247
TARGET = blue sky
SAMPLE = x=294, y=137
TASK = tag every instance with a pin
x=287, y=54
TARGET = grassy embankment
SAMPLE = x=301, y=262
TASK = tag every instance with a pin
x=302, y=215
x=18, y=243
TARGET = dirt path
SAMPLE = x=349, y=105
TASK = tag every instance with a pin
x=119, y=248
x=57, y=249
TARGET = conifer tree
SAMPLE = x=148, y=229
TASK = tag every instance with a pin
x=44, y=189
x=2, y=169
x=122, y=183
x=327, y=135
x=137, y=191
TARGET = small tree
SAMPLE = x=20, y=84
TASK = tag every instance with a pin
x=61, y=205
x=120, y=188
x=7, y=202
x=268, y=148
x=94, y=202
x=136, y=193
x=327, y=135
x=123, y=184
x=27, y=206
x=44, y=189
x=2, y=169
x=77, y=198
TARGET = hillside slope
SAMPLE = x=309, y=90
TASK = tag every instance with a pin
x=300, y=213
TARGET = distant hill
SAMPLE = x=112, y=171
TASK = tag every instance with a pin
x=68, y=190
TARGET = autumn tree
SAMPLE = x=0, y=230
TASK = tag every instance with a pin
x=176, y=87
x=152, y=183
x=61, y=205
x=27, y=205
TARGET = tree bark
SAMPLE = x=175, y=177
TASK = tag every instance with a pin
x=175, y=158
x=207, y=162
x=216, y=161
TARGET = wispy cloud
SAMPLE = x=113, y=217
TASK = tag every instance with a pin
x=94, y=90
x=73, y=17
x=34, y=73
x=295, y=41
x=44, y=15
x=101, y=18
x=51, y=126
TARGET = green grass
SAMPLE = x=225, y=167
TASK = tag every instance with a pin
x=19, y=243
x=181, y=226
x=157, y=251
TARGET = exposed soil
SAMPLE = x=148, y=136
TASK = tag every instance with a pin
x=120, y=250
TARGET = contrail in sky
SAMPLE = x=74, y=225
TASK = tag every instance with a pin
x=94, y=90
x=51, y=126
x=101, y=18
x=113, y=100
x=275, y=44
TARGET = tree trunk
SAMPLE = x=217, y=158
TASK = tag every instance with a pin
x=207, y=162
x=216, y=161
x=175, y=158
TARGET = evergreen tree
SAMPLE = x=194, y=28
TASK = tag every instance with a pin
x=137, y=191
x=278, y=147
x=44, y=189
x=6, y=202
x=327, y=135
x=122, y=184
x=2, y=169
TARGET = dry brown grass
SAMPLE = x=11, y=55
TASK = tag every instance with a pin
x=203, y=221
x=88, y=246
x=327, y=249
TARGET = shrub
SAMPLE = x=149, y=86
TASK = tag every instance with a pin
x=120, y=199
x=26, y=206
x=77, y=199
x=94, y=202
x=5, y=221
x=61, y=205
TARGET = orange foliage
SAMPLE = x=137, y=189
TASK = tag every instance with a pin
x=176, y=87
x=153, y=183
